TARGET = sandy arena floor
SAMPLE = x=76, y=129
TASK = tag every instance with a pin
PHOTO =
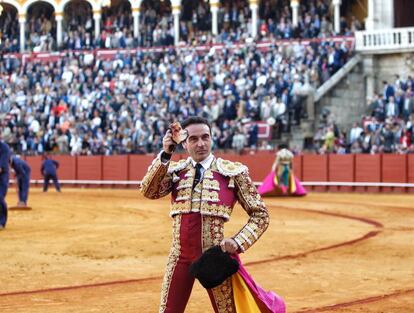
x=102, y=250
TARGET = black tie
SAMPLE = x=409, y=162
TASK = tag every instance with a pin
x=197, y=176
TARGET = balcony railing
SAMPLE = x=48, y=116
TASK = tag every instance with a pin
x=385, y=40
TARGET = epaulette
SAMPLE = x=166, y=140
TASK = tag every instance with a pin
x=229, y=168
x=178, y=166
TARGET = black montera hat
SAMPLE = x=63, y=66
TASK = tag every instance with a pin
x=213, y=267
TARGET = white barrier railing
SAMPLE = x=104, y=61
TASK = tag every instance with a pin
x=383, y=40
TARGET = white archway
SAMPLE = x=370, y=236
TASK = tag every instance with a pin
x=15, y=4
x=135, y=4
x=96, y=6
x=27, y=4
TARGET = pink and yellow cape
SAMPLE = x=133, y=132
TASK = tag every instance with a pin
x=271, y=186
x=250, y=297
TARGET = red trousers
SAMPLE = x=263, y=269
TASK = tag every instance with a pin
x=178, y=282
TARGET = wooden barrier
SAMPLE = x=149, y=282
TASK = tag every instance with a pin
x=394, y=170
x=259, y=165
x=410, y=171
x=115, y=167
x=341, y=168
x=367, y=169
x=315, y=168
x=89, y=167
x=138, y=166
x=35, y=163
x=67, y=166
x=297, y=167
x=329, y=169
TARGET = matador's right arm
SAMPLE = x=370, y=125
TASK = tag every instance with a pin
x=157, y=182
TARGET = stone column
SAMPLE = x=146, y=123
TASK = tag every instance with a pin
x=214, y=7
x=294, y=4
x=253, y=7
x=176, y=11
x=370, y=72
x=135, y=14
x=97, y=18
x=22, y=22
x=337, y=15
x=59, y=34
x=370, y=20
x=136, y=11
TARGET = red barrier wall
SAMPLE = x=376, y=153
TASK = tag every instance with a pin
x=367, y=169
x=394, y=170
x=259, y=166
x=67, y=166
x=89, y=168
x=115, y=167
x=315, y=168
x=410, y=170
x=35, y=163
x=387, y=168
x=341, y=169
x=298, y=167
x=138, y=166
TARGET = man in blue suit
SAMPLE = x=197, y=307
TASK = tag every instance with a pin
x=49, y=172
x=22, y=170
x=4, y=182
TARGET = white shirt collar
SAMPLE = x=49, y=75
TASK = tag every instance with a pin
x=206, y=163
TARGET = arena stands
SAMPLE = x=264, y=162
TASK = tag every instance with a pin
x=156, y=25
x=83, y=104
x=387, y=128
x=103, y=95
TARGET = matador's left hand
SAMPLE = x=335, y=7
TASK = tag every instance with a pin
x=229, y=245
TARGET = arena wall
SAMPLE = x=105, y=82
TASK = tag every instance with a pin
x=338, y=173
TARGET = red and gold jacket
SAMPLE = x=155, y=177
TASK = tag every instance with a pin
x=223, y=184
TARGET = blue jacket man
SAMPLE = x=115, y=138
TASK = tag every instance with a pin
x=4, y=182
x=49, y=172
x=22, y=170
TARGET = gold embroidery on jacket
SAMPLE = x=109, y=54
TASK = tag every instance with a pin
x=156, y=183
x=213, y=231
x=178, y=166
x=211, y=196
x=185, y=183
x=231, y=182
x=180, y=207
x=229, y=168
x=211, y=184
x=216, y=209
x=208, y=174
x=223, y=296
x=171, y=263
x=184, y=194
x=252, y=203
x=212, y=235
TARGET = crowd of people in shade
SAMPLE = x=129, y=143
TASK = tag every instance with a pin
x=80, y=104
x=387, y=128
x=157, y=29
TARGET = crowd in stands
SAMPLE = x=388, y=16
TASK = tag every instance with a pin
x=387, y=128
x=157, y=29
x=80, y=104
